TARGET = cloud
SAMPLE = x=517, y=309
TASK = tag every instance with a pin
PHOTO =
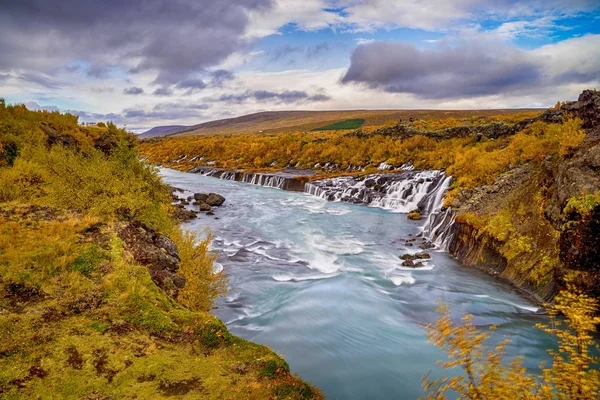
x=134, y=90
x=34, y=106
x=159, y=112
x=192, y=84
x=164, y=112
x=163, y=91
x=40, y=80
x=173, y=38
x=219, y=77
x=307, y=15
x=98, y=71
x=431, y=15
x=283, y=97
x=472, y=69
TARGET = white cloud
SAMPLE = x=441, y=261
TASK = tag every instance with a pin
x=360, y=41
x=306, y=14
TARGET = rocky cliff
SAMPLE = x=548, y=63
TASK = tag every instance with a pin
x=538, y=225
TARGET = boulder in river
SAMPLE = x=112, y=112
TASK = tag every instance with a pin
x=214, y=199
x=201, y=197
x=416, y=256
x=411, y=264
x=204, y=207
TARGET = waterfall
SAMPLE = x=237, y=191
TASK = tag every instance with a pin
x=268, y=180
x=314, y=190
x=402, y=192
x=438, y=226
x=229, y=175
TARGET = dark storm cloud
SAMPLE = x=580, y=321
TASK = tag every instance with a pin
x=285, y=97
x=445, y=72
x=173, y=37
x=134, y=90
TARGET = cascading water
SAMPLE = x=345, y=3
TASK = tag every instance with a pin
x=398, y=192
x=438, y=226
x=268, y=180
x=402, y=192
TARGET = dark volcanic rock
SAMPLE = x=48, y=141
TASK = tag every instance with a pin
x=182, y=214
x=214, y=199
x=580, y=243
x=201, y=197
x=575, y=177
x=587, y=107
x=155, y=251
x=417, y=256
x=412, y=264
x=204, y=207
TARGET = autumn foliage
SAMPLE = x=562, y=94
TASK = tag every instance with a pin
x=486, y=375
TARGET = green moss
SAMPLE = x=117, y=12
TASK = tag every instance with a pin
x=88, y=259
x=274, y=367
x=582, y=205
x=213, y=334
x=99, y=326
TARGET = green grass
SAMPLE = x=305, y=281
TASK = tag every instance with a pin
x=342, y=125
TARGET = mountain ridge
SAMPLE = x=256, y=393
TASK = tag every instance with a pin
x=299, y=120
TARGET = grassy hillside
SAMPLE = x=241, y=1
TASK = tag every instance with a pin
x=161, y=131
x=101, y=295
x=289, y=121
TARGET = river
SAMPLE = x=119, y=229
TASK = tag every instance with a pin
x=321, y=283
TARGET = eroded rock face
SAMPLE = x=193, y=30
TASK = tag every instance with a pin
x=587, y=107
x=155, y=251
x=578, y=176
x=580, y=243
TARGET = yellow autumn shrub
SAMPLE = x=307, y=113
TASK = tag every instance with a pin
x=572, y=374
x=203, y=285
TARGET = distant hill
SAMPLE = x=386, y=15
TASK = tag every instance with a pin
x=282, y=121
x=161, y=131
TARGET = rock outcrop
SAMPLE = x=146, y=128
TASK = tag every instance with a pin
x=155, y=251
x=539, y=242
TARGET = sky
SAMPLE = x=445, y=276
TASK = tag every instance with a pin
x=182, y=62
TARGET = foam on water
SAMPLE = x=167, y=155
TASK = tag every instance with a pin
x=346, y=245
x=402, y=280
x=290, y=278
x=525, y=307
